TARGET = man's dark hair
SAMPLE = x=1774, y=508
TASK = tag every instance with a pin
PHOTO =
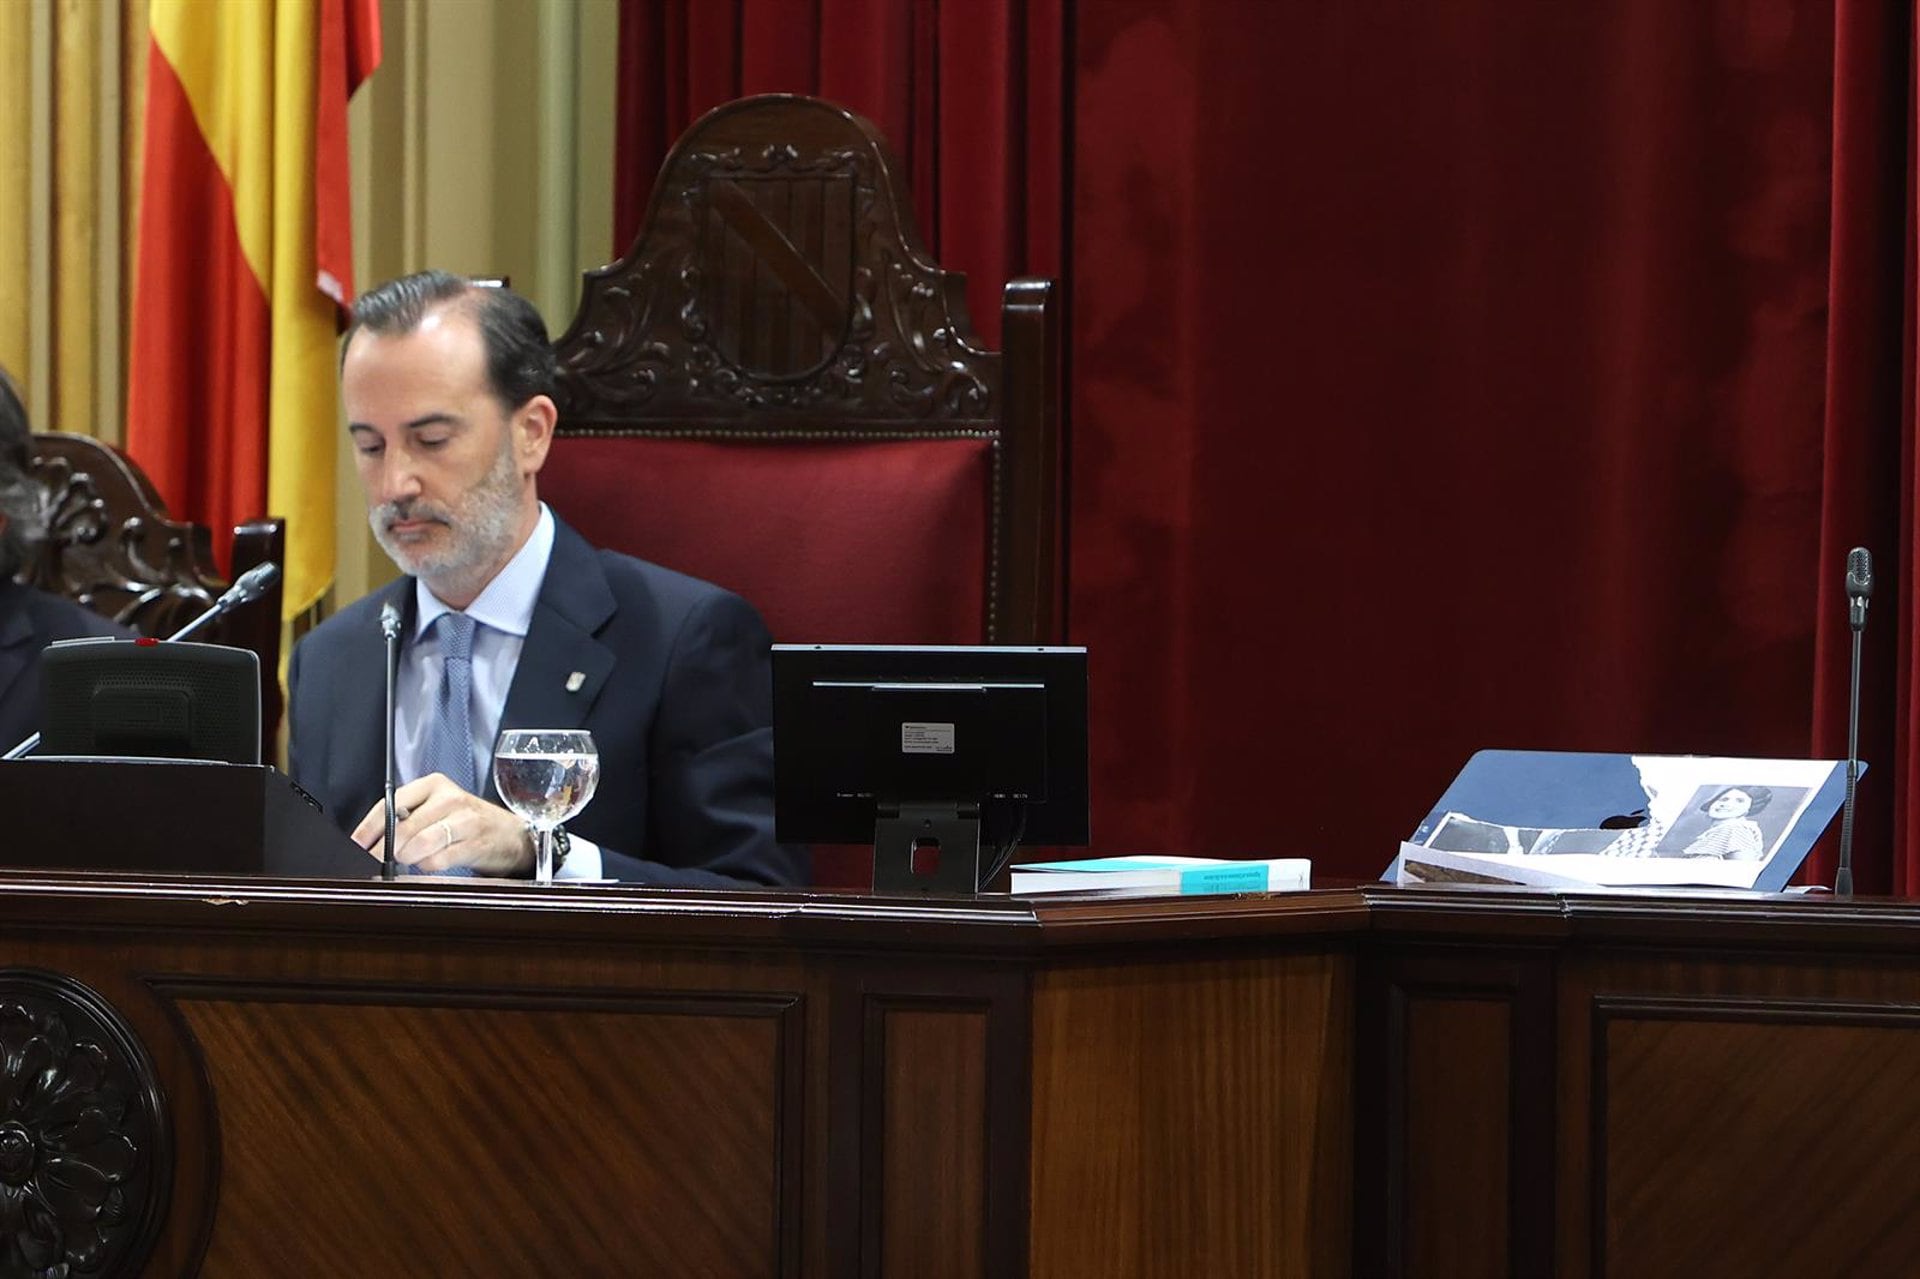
x=19, y=495
x=520, y=363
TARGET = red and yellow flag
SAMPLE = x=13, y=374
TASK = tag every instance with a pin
x=244, y=262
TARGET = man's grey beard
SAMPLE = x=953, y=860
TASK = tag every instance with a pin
x=482, y=523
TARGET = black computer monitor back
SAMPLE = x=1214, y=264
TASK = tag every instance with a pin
x=1002, y=727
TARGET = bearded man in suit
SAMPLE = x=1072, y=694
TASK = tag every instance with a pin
x=448, y=392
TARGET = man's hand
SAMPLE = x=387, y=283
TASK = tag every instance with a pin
x=443, y=826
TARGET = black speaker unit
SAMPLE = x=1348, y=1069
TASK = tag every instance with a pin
x=150, y=699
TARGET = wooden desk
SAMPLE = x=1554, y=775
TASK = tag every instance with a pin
x=473, y=1078
x=482, y=1079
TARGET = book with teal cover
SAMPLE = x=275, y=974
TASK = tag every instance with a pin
x=1182, y=875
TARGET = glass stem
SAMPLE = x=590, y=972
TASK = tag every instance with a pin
x=543, y=854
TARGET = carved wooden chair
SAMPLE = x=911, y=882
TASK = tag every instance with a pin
x=778, y=390
x=111, y=546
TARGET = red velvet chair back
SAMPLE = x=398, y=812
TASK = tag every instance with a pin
x=779, y=390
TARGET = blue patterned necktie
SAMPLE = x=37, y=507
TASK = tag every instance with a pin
x=449, y=744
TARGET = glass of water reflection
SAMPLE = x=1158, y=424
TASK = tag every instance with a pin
x=546, y=775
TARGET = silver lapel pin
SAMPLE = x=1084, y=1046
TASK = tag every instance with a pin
x=575, y=681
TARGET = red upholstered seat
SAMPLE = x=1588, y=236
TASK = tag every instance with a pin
x=874, y=543
x=777, y=389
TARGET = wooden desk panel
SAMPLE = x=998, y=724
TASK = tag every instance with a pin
x=632, y=1128
x=1194, y=1117
x=1701, y=1089
x=485, y=1079
x=1690, y=1131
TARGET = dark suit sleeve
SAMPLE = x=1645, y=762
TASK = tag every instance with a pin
x=711, y=759
x=307, y=726
x=294, y=716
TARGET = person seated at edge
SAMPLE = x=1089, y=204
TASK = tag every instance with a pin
x=448, y=393
x=29, y=619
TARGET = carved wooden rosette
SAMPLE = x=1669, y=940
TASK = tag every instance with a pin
x=85, y=1153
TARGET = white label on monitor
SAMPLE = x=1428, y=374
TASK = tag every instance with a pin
x=926, y=739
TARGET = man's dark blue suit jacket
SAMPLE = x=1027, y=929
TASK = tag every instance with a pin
x=29, y=621
x=677, y=692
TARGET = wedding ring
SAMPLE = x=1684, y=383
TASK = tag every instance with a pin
x=446, y=833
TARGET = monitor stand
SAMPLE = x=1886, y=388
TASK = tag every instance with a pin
x=926, y=848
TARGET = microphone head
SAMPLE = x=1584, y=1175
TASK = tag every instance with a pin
x=390, y=619
x=1859, y=573
x=250, y=585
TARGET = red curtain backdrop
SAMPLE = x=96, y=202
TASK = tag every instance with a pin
x=1441, y=376
x=1867, y=452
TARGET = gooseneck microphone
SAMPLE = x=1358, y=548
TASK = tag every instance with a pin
x=1859, y=586
x=1859, y=590
x=390, y=628
x=250, y=586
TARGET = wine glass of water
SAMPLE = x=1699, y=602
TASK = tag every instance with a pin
x=546, y=775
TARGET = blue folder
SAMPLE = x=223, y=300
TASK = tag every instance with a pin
x=1579, y=790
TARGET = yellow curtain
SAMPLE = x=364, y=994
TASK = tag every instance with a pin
x=71, y=79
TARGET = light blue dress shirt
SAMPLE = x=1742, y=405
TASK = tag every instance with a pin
x=503, y=611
